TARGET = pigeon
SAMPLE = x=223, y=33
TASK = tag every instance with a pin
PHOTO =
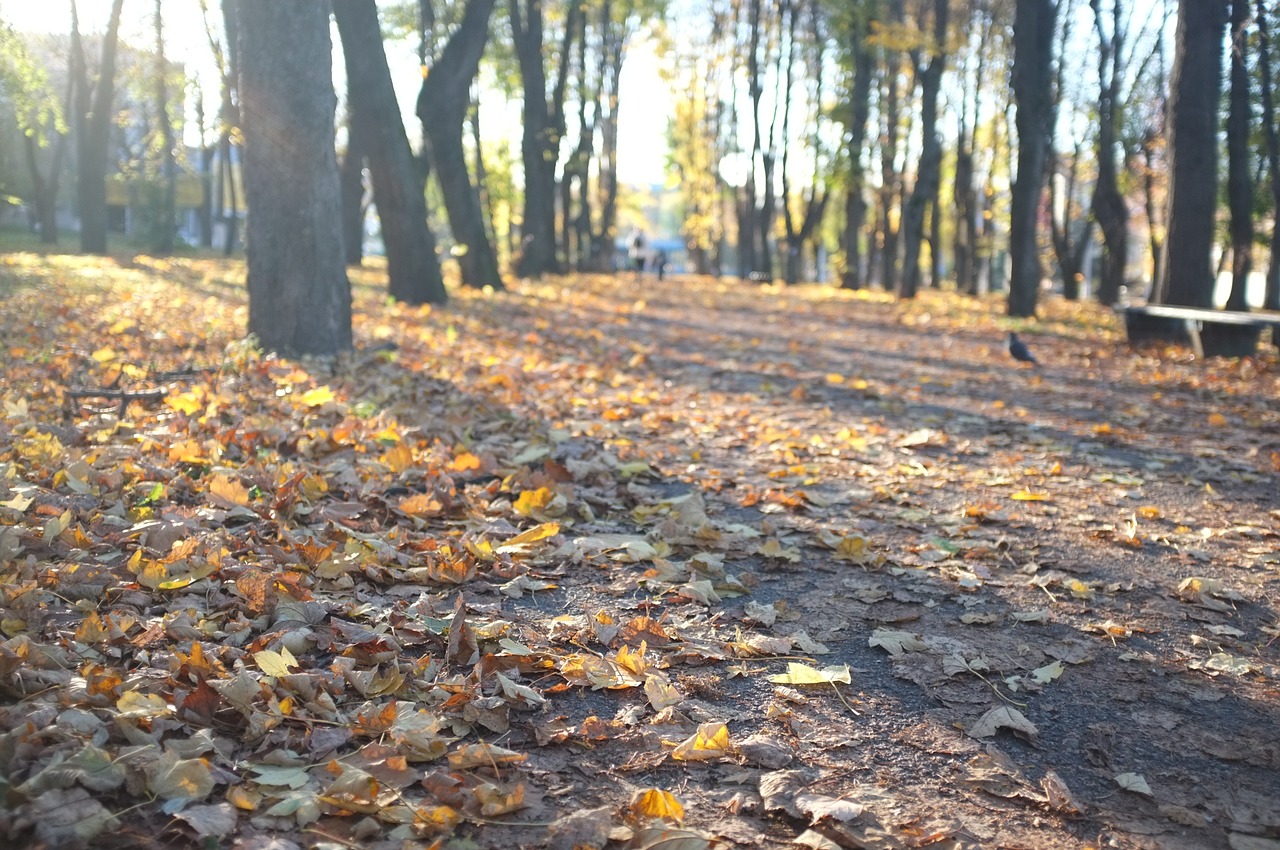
x=1019, y=350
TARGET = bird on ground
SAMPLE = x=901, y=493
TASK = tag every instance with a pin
x=1019, y=350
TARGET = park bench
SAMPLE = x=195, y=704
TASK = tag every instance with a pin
x=1210, y=333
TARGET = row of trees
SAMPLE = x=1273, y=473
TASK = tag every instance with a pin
x=898, y=108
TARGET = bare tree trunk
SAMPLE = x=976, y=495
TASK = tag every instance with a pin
x=1187, y=268
x=412, y=265
x=930, y=170
x=352, y=182
x=443, y=102
x=1239, y=177
x=299, y=297
x=856, y=202
x=890, y=177
x=543, y=127
x=93, y=115
x=1109, y=206
x=168, y=162
x=1271, y=296
x=1033, y=29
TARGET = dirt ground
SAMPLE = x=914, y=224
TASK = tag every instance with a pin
x=1031, y=531
x=832, y=571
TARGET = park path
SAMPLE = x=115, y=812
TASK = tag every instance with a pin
x=1093, y=545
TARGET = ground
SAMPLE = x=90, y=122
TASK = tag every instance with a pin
x=670, y=564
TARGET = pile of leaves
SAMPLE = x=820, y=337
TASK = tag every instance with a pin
x=430, y=592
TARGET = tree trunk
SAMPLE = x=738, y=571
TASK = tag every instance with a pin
x=1271, y=296
x=351, y=180
x=890, y=177
x=540, y=139
x=1239, y=173
x=412, y=264
x=93, y=132
x=963, y=244
x=929, y=174
x=1033, y=27
x=442, y=107
x=299, y=297
x=1187, y=268
x=1109, y=206
x=168, y=163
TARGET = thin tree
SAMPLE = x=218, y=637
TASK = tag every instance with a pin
x=168, y=153
x=1069, y=227
x=299, y=296
x=1194, y=87
x=928, y=175
x=855, y=209
x=412, y=264
x=543, y=127
x=1033, y=30
x=1110, y=207
x=92, y=114
x=1271, y=296
x=1239, y=156
x=351, y=178
x=442, y=107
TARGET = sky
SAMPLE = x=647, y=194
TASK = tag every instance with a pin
x=645, y=100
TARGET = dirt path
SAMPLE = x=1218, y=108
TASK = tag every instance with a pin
x=1030, y=531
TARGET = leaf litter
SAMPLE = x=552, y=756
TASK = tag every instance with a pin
x=556, y=567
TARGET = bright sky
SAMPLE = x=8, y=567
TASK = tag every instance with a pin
x=645, y=101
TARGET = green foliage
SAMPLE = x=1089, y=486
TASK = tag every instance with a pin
x=24, y=84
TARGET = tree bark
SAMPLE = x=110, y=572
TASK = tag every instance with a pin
x=412, y=264
x=93, y=115
x=856, y=202
x=168, y=162
x=1187, y=268
x=1239, y=172
x=299, y=296
x=1271, y=296
x=929, y=174
x=442, y=107
x=540, y=138
x=890, y=176
x=351, y=180
x=1109, y=205
x=1033, y=27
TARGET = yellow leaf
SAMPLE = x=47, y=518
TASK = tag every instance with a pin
x=188, y=402
x=1217, y=420
x=532, y=535
x=1025, y=495
x=275, y=663
x=803, y=674
x=316, y=397
x=655, y=803
x=533, y=500
x=104, y=355
x=228, y=492
x=184, y=579
x=1149, y=512
x=398, y=458
x=420, y=505
x=711, y=741
x=464, y=461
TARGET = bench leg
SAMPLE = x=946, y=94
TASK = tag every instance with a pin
x=1193, y=333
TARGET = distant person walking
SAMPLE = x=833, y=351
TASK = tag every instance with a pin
x=635, y=250
x=660, y=263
